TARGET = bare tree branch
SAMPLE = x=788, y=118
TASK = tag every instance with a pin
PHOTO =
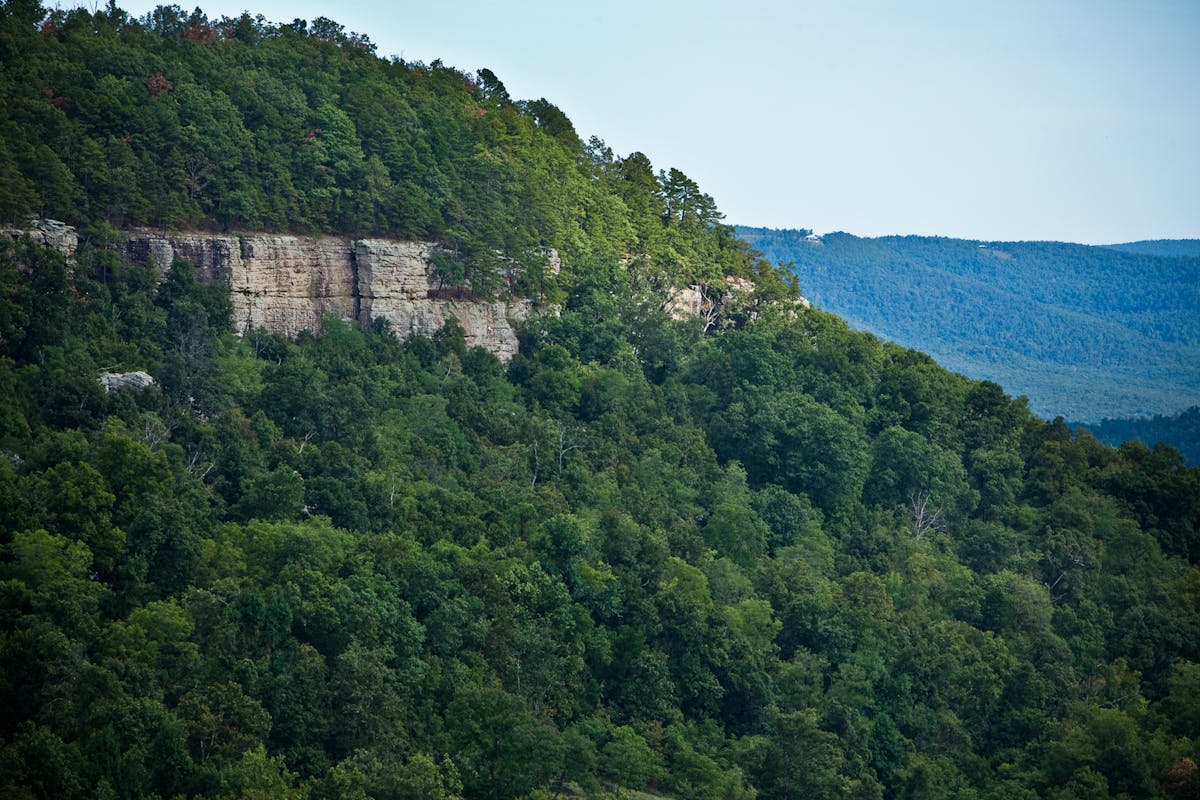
x=926, y=516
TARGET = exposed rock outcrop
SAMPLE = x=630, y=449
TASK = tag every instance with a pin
x=706, y=302
x=700, y=301
x=395, y=283
x=686, y=302
x=287, y=284
x=116, y=381
x=48, y=233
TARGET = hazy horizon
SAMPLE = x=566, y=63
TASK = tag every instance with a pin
x=963, y=238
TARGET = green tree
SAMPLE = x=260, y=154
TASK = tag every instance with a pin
x=628, y=760
x=502, y=750
x=222, y=722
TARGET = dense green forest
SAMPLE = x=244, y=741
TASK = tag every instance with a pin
x=1083, y=332
x=179, y=121
x=1181, y=431
x=782, y=560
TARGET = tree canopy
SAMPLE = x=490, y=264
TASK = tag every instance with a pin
x=780, y=560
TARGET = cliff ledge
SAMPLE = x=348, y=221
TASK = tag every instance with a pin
x=287, y=284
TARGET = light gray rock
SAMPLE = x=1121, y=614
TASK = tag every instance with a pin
x=287, y=284
x=705, y=303
x=116, y=381
x=48, y=233
x=686, y=302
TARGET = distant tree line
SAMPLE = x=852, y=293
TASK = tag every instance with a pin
x=1084, y=332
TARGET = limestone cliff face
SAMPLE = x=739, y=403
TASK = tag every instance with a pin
x=286, y=284
x=394, y=282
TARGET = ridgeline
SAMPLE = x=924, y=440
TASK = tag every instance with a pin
x=1084, y=332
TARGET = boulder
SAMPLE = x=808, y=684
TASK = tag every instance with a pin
x=116, y=381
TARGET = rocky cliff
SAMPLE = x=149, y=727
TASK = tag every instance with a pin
x=287, y=284
x=48, y=233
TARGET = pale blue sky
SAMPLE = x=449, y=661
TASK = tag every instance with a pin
x=1077, y=121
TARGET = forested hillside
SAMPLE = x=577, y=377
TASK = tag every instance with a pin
x=1181, y=431
x=778, y=560
x=178, y=121
x=1162, y=247
x=1084, y=332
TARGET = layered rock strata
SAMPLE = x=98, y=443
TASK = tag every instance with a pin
x=287, y=284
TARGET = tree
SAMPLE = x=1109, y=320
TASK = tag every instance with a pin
x=798, y=760
x=628, y=760
x=794, y=441
x=196, y=315
x=501, y=749
x=222, y=722
x=736, y=531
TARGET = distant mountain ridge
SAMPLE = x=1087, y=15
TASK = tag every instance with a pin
x=1085, y=332
x=1172, y=248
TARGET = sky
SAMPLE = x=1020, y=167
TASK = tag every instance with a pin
x=1015, y=120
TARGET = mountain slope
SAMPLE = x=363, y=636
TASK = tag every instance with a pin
x=761, y=555
x=1084, y=332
